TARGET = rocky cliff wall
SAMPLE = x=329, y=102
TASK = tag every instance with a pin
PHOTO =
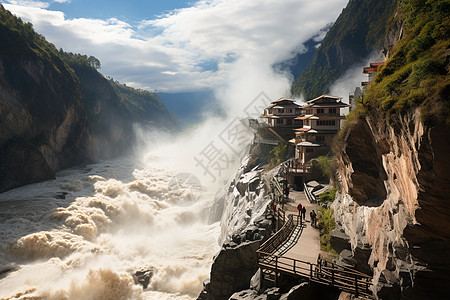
x=109, y=120
x=244, y=225
x=42, y=126
x=394, y=203
x=57, y=110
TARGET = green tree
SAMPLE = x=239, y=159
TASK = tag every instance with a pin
x=279, y=153
x=94, y=62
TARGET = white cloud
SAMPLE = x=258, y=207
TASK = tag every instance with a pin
x=29, y=3
x=352, y=78
x=62, y=1
x=244, y=37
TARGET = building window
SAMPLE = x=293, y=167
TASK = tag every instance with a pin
x=320, y=110
x=297, y=122
x=332, y=110
x=309, y=150
x=320, y=138
x=281, y=111
x=279, y=121
x=326, y=123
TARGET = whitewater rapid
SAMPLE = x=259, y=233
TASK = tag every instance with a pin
x=83, y=235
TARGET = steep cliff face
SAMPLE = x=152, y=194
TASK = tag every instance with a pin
x=393, y=205
x=43, y=128
x=392, y=212
x=109, y=120
x=245, y=224
x=356, y=34
x=57, y=110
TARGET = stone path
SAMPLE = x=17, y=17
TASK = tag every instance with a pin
x=305, y=242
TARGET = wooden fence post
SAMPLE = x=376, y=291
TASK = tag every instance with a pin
x=295, y=272
x=332, y=273
x=276, y=269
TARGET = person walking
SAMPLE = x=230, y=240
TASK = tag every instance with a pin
x=299, y=208
x=304, y=213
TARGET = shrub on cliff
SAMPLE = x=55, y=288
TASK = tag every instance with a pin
x=416, y=74
x=328, y=196
x=278, y=154
x=326, y=224
x=326, y=165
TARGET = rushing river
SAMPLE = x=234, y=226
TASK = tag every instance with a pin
x=82, y=235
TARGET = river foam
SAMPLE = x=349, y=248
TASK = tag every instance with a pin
x=84, y=235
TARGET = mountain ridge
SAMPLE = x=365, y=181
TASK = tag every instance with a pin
x=357, y=33
x=58, y=111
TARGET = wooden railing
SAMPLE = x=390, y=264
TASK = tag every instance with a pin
x=279, y=237
x=323, y=272
x=293, y=166
x=286, y=265
x=277, y=185
x=280, y=218
x=344, y=278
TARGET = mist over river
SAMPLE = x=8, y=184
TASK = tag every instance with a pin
x=82, y=235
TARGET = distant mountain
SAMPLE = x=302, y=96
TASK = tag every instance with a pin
x=191, y=107
x=356, y=34
x=57, y=110
x=301, y=60
x=145, y=107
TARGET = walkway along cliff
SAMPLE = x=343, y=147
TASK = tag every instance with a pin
x=266, y=250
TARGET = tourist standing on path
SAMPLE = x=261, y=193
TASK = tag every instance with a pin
x=299, y=207
x=312, y=215
x=304, y=213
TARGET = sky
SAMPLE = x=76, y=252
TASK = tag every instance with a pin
x=228, y=46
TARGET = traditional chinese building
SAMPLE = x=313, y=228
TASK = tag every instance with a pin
x=321, y=121
x=371, y=71
x=281, y=119
x=282, y=113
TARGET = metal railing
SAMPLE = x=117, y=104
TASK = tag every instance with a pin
x=311, y=198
